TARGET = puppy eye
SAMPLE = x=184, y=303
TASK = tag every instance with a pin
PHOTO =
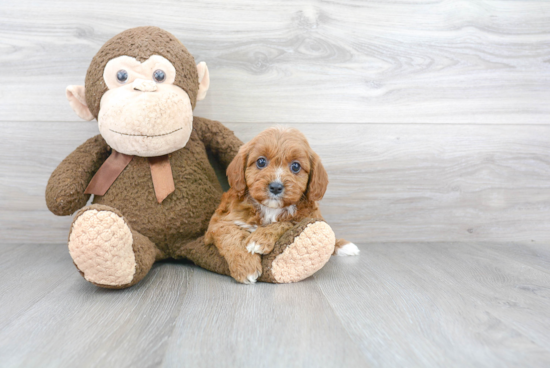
x=261, y=162
x=295, y=167
x=122, y=76
x=159, y=76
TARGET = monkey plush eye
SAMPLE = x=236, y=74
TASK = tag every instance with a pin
x=159, y=76
x=261, y=162
x=295, y=167
x=122, y=76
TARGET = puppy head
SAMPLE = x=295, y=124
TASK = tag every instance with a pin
x=278, y=168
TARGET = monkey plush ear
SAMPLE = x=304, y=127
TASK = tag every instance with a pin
x=77, y=99
x=204, y=80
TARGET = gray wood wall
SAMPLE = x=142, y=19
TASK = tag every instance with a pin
x=432, y=117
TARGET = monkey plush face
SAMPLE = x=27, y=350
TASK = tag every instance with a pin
x=143, y=113
x=142, y=87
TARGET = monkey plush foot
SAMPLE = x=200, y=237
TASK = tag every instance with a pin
x=299, y=253
x=105, y=249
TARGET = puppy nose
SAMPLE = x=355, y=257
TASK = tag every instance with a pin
x=144, y=85
x=276, y=187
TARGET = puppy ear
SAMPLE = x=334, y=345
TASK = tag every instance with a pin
x=318, y=179
x=235, y=171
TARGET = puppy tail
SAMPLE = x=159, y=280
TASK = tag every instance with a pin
x=345, y=248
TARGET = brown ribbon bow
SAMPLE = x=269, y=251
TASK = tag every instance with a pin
x=161, y=172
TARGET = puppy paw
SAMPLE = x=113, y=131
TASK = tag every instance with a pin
x=247, y=270
x=348, y=249
x=255, y=247
x=251, y=279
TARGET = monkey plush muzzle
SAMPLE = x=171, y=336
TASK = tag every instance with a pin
x=146, y=119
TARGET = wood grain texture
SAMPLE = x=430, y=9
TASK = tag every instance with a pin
x=388, y=182
x=265, y=325
x=45, y=268
x=432, y=120
x=398, y=304
x=441, y=304
x=301, y=61
x=74, y=323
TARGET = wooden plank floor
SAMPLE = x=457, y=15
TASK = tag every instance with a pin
x=397, y=304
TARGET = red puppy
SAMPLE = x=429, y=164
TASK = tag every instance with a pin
x=276, y=180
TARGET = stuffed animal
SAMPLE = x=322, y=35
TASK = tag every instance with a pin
x=154, y=188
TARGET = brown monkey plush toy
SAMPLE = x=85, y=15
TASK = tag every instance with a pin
x=154, y=188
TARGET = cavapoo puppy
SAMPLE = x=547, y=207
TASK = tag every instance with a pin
x=276, y=180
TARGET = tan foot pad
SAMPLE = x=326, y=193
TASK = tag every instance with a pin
x=300, y=253
x=100, y=244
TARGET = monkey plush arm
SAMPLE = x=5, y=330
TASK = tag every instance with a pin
x=65, y=189
x=221, y=141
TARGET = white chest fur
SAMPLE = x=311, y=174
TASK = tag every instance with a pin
x=270, y=215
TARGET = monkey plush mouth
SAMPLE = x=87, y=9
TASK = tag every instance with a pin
x=145, y=135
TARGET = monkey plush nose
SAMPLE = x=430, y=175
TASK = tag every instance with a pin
x=144, y=85
x=276, y=187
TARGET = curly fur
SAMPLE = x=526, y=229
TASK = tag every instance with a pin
x=249, y=204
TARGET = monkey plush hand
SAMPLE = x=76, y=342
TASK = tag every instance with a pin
x=154, y=188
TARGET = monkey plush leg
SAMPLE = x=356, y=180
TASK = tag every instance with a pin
x=106, y=251
x=299, y=253
x=203, y=255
